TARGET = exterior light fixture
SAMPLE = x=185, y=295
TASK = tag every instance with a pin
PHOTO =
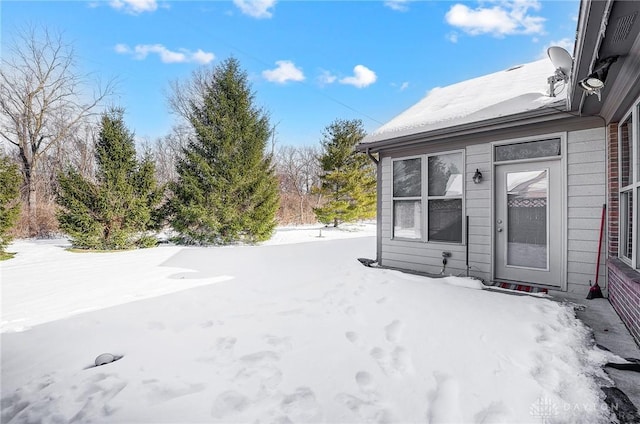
x=477, y=177
x=594, y=82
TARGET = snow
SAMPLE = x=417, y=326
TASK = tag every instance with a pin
x=282, y=332
x=508, y=92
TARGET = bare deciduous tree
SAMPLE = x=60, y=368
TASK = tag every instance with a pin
x=184, y=94
x=166, y=150
x=43, y=101
x=298, y=171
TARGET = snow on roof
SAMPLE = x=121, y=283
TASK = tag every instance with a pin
x=515, y=90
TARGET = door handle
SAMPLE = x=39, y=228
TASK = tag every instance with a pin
x=499, y=229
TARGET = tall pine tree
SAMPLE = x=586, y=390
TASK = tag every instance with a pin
x=115, y=210
x=348, y=181
x=10, y=180
x=227, y=190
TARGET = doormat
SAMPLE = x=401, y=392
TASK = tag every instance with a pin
x=522, y=288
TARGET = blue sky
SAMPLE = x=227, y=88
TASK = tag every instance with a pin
x=309, y=62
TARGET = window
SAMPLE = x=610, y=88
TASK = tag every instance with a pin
x=442, y=177
x=407, y=198
x=445, y=198
x=629, y=187
x=528, y=150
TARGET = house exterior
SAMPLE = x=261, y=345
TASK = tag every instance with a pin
x=548, y=164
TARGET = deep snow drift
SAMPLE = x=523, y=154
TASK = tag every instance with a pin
x=281, y=333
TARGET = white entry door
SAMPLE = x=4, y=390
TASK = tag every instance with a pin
x=528, y=223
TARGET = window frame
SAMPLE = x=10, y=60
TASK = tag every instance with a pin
x=425, y=197
x=407, y=198
x=632, y=118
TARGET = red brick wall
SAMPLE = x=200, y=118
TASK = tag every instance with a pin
x=612, y=203
x=623, y=282
x=624, y=295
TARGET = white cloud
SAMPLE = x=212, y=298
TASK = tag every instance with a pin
x=397, y=5
x=141, y=51
x=362, y=77
x=284, y=72
x=326, y=78
x=202, y=57
x=565, y=43
x=256, y=8
x=453, y=37
x=505, y=18
x=134, y=6
x=401, y=87
x=122, y=49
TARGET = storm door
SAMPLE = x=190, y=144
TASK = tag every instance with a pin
x=528, y=222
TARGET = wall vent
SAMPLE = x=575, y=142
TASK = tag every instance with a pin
x=623, y=27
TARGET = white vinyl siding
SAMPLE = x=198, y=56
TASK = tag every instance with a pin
x=586, y=193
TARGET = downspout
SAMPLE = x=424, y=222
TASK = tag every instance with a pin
x=378, y=205
x=373, y=158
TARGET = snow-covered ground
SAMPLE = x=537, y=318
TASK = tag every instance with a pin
x=283, y=332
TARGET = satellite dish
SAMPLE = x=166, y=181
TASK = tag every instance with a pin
x=561, y=59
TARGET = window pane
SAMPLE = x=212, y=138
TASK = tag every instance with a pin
x=626, y=224
x=528, y=150
x=527, y=219
x=407, y=216
x=445, y=175
x=407, y=177
x=626, y=153
x=445, y=220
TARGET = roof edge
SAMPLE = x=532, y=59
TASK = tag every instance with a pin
x=547, y=113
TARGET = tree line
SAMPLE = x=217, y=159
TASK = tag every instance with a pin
x=217, y=178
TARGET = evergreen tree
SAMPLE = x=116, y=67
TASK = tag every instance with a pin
x=115, y=210
x=10, y=180
x=226, y=189
x=348, y=180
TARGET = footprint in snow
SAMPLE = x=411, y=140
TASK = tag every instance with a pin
x=206, y=324
x=392, y=331
x=13, y=405
x=397, y=362
x=365, y=381
x=301, y=406
x=95, y=393
x=259, y=373
x=281, y=343
x=257, y=357
x=359, y=291
x=369, y=411
x=160, y=392
x=496, y=412
x=401, y=360
x=224, y=347
x=223, y=350
x=350, y=310
x=444, y=401
x=352, y=336
x=229, y=403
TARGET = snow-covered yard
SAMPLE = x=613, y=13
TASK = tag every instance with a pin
x=284, y=332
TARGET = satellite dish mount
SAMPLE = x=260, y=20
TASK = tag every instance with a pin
x=563, y=62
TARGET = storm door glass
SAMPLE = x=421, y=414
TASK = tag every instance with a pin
x=527, y=231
